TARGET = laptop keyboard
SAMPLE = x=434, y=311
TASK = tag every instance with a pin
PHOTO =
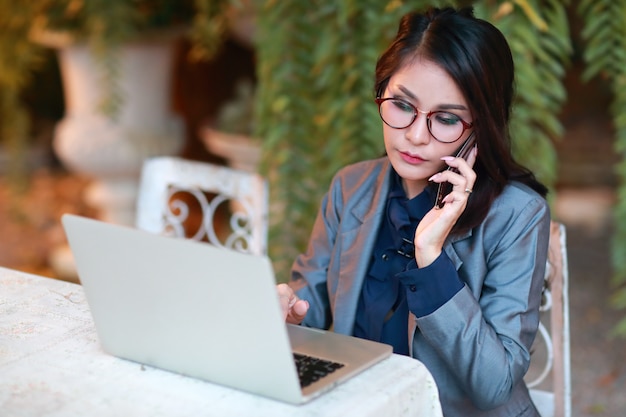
x=311, y=369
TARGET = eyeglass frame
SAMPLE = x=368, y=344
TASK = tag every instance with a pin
x=380, y=100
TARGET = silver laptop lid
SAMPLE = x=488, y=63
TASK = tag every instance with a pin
x=185, y=306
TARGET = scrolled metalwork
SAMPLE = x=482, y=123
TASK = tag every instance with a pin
x=177, y=217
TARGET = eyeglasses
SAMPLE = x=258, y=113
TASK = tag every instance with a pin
x=443, y=126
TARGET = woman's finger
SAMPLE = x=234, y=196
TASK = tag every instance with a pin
x=293, y=308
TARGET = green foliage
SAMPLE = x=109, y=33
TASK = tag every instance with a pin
x=209, y=26
x=104, y=25
x=605, y=54
x=316, y=113
x=538, y=34
x=18, y=58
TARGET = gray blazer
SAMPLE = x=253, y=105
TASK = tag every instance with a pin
x=477, y=344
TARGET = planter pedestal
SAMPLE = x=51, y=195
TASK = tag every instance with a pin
x=241, y=152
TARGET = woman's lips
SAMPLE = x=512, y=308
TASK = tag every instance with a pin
x=411, y=159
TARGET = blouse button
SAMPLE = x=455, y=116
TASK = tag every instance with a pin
x=385, y=257
x=412, y=288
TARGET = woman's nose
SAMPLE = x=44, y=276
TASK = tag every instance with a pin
x=418, y=131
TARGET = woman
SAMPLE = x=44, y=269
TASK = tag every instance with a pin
x=466, y=278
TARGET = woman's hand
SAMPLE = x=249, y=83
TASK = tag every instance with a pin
x=432, y=231
x=293, y=308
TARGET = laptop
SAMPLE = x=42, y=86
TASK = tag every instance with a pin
x=204, y=312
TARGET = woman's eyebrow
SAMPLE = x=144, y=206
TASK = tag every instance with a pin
x=454, y=107
x=407, y=92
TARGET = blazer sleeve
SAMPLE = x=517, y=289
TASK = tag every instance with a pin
x=309, y=270
x=484, y=333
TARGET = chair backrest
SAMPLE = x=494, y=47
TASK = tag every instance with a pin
x=203, y=201
x=554, y=334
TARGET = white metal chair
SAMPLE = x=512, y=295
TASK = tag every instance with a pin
x=205, y=202
x=552, y=347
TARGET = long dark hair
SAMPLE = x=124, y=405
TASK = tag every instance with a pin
x=477, y=56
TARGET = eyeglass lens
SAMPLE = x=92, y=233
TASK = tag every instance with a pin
x=444, y=126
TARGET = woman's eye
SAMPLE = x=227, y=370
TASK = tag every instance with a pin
x=446, y=118
x=404, y=106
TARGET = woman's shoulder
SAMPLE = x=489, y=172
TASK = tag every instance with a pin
x=516, y=193
x=518, y=202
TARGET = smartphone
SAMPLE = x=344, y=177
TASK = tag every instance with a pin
x=445, y=187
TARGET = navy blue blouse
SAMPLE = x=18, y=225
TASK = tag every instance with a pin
x=394, y=284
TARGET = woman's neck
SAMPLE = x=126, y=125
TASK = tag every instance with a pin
x=413, y=187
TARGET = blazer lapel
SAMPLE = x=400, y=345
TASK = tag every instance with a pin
x=451, y=252
x=357, y=243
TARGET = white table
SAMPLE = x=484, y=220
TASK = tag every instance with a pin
x=52, y=365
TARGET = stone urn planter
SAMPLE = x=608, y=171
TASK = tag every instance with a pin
x=111, y=149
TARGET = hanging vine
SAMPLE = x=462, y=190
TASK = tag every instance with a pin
x=605, y=54
x=538, y=33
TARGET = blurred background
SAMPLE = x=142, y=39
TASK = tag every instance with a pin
x=302, y=84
